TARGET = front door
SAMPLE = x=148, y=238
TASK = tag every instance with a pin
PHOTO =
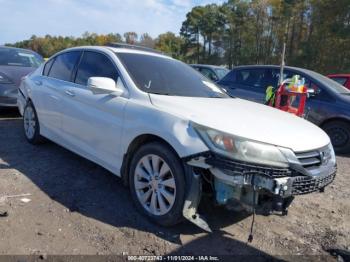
x=92, y=123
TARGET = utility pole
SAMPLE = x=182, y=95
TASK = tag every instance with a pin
x=282, y=63
x=197, y=44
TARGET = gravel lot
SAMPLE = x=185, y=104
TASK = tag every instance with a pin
x=78, y=207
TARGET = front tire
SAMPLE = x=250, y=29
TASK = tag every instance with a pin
x=31, y=125
x=339, y=133
x=157, y=183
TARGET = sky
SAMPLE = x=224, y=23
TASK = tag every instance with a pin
x=20, y=19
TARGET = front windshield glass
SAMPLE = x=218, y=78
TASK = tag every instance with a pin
x=19, y=57
x=333, y=85
x=221, y=72
x=166, y=76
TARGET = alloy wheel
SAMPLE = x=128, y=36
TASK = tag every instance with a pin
x=155, y=185
x=29, y=122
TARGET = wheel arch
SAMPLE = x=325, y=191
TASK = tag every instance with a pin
x=343, y=119
x=134, y=145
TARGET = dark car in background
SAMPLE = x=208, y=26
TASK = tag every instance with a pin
x=212, y=72
x=15, y=63
x=343, y=79
x=328, y=107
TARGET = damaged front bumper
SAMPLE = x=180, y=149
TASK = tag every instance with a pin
x=263, y=189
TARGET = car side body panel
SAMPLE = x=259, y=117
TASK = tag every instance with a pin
x=124, y=121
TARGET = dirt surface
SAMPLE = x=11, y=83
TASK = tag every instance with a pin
x=77, y=207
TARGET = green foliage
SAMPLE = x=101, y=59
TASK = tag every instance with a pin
x=316, y=33
x=130, y=37
x=147, y=41
x=49, y=45
x=170, y=44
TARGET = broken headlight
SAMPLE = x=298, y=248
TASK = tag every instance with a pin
x=241, y=149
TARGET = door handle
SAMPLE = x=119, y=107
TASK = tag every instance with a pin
x=70, y=93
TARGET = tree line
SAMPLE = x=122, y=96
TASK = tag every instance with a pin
x=237, y=32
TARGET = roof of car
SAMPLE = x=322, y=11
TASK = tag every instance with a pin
x=271, y=66
x=117, y=50
x=208, y=66
x=17, y=48
x=133, y=47
x=298, y=69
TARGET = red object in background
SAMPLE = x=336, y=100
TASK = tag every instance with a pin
x=343, y=79
x=284, y=100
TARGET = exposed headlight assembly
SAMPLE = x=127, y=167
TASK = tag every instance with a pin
x=242, y=149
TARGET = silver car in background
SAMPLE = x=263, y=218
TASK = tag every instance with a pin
x=212, y=72
x=15, y=63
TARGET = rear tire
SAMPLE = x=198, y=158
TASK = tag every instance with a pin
x=339, y=133
x=31, y=125
x=157, y=183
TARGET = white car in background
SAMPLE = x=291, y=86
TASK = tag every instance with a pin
x=167, y=130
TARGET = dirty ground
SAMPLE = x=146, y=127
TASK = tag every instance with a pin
x=72, y=206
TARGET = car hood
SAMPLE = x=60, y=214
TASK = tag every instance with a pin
x=15, y=73
x=246, y=119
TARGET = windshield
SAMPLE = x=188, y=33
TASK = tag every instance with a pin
x=333, y=85
x=166, y=76
x=221, y=72
x=19, y=57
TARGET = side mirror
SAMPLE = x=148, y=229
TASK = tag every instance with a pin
x=104, y=85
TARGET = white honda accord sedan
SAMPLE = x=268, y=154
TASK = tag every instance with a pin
x=171, y=133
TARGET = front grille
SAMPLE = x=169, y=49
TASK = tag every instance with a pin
x=309, y=159
x=232, y=167
x=306, y=184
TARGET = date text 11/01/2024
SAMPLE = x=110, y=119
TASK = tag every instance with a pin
x=173, y=258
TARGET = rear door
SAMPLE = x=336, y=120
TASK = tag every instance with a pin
x=320, y=105
x=57, y=78
x=92, y=123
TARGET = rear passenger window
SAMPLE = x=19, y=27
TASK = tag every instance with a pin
x=64, y=65
x=47, y=67
x=95, y=64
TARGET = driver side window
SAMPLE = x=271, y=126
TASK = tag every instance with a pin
x=95, y=64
